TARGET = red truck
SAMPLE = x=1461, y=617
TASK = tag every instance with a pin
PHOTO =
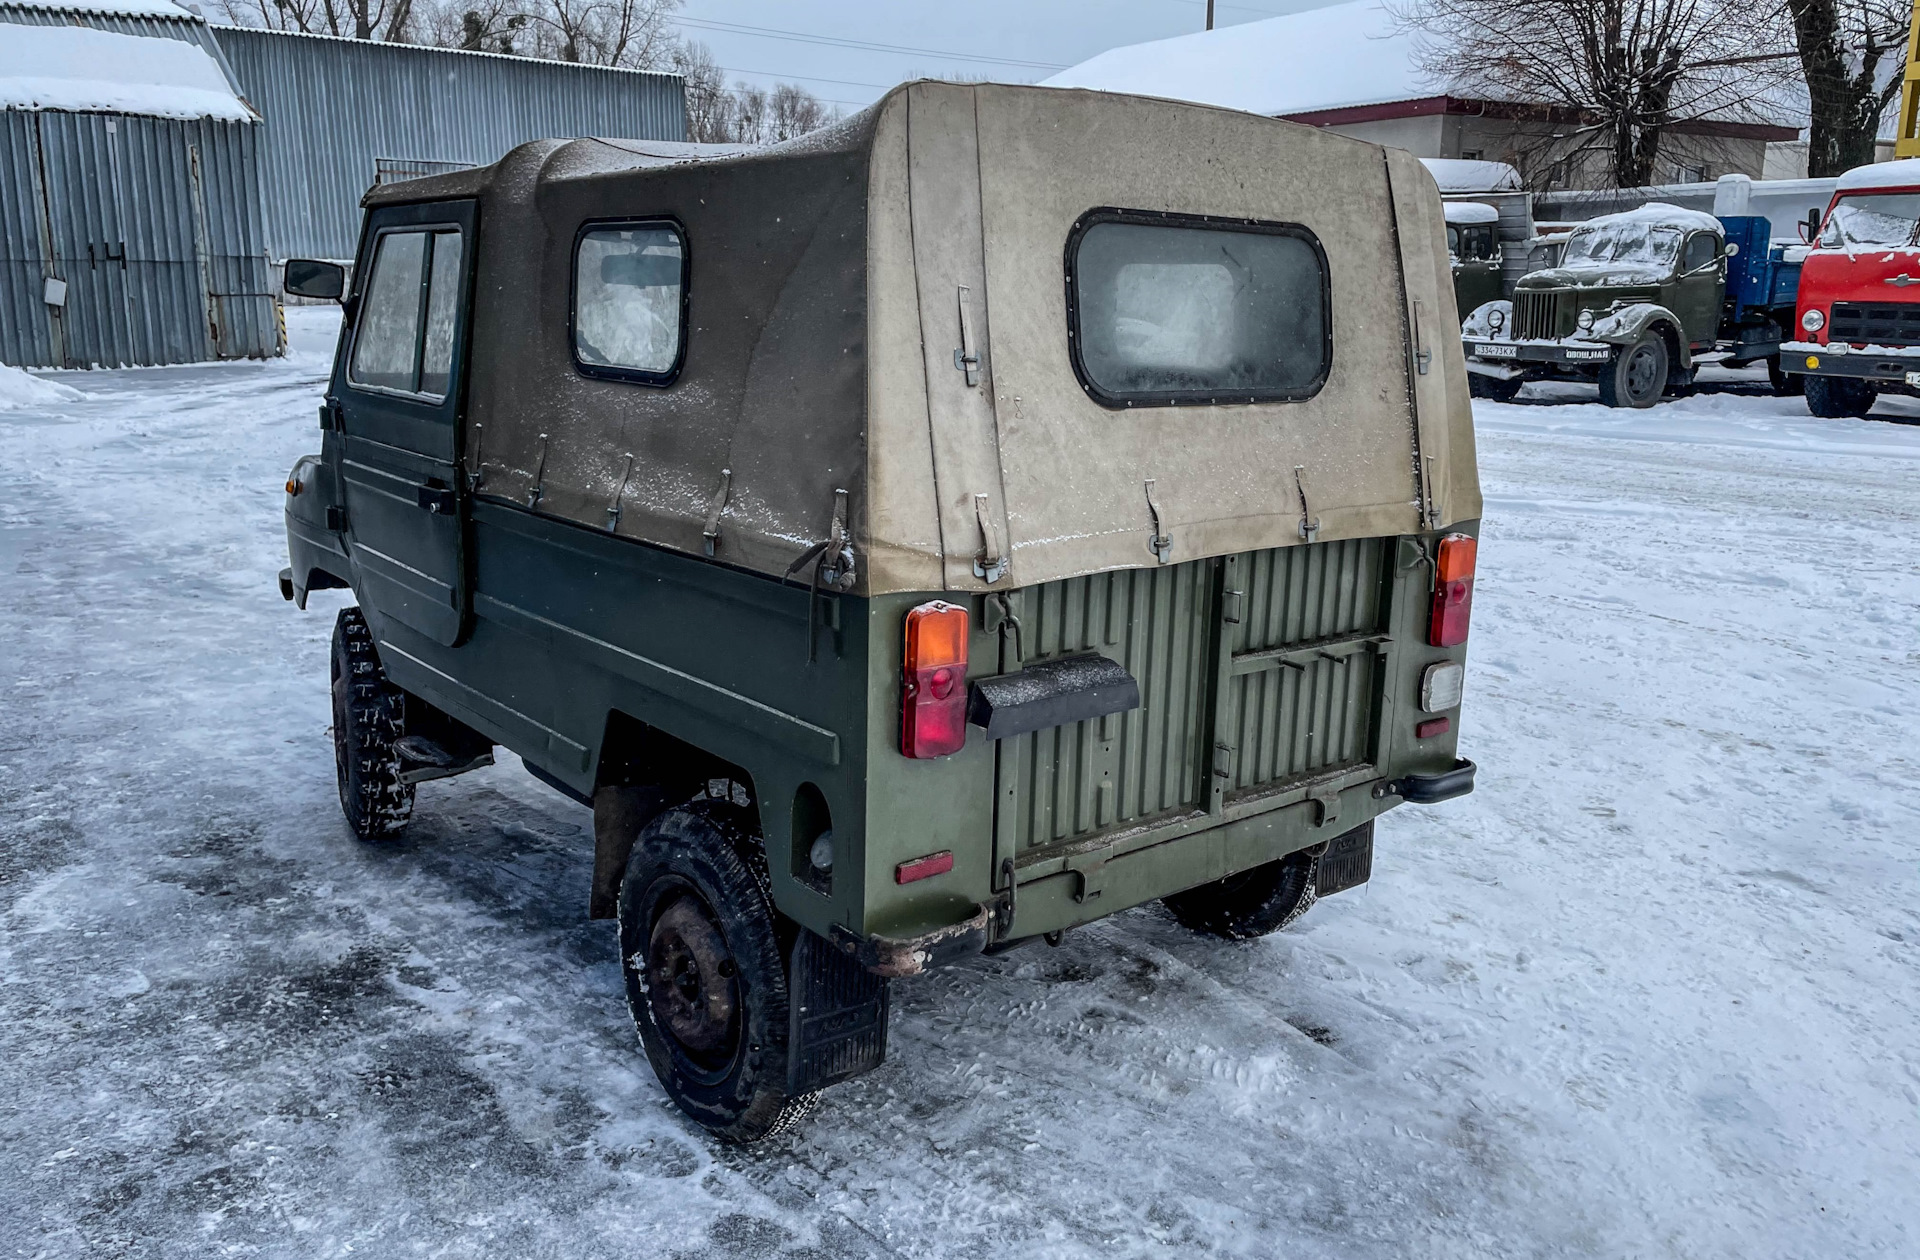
x=1858, y=324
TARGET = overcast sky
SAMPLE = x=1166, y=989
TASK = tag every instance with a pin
x=1019, y=41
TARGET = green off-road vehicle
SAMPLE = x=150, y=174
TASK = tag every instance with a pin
x=1003, y=508
x=1634, y=300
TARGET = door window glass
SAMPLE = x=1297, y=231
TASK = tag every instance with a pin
x=629, y=301
x=443, y=306
x=405, y=337
x=1165, y=311
x=385, y=348
x=1702, y=250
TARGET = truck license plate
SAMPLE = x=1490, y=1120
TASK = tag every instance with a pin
x=1913, y=378
x=1492, y=350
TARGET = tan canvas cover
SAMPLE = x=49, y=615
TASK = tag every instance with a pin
x=833, y=280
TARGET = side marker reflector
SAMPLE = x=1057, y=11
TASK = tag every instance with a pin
x=924, y=867
x=1433, y=726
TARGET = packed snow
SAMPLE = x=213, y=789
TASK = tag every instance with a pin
x=23, y=389
x=77, y=68
x=1471, y=212
x=1904, y=173
x=113, y=8
x=1650, y=991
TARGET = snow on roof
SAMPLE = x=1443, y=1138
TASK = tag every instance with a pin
x=1471, y=212
x=83, y=70
x=1345, y=54
x=1902, y=174
x=1658, y=213
x=115, y=8
x=1462, y=175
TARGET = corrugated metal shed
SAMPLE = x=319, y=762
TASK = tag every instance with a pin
x=336, y=109
x=127, y=237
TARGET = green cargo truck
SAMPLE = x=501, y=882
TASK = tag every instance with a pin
x=1001, y=509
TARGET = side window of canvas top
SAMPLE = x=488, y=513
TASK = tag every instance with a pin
x=1169, y=309
x=404, y=341
x=629, y=301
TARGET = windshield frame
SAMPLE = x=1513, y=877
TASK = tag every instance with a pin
x=1669, y=266
x=1849, y=243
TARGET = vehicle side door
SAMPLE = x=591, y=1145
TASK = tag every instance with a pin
x=395, y=399
x=1700, y=289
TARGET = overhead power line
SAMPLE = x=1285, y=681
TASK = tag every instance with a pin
x=834, y=41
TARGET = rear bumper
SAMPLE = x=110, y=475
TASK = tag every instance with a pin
x=897, y=956
x=1430, y=789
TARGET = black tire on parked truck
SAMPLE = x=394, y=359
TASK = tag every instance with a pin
x=1637, y=376
x=705, y=969
x=369, y=716
x=1254, y=902
x=1785, y=383
x=1839, y=398
x=1493, y=387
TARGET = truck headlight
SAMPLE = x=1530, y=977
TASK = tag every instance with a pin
x=1584, y=321
x=1496, y=319
x=1813, y=320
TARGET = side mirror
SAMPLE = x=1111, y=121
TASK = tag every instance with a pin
x=1811, y=228
x=311, y=278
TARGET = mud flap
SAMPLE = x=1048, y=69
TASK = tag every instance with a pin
x=838, y=1016
x=1347, y=863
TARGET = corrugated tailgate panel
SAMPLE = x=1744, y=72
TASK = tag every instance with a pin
x=1293, y=720
x=1092, y=776
x=1277, y=721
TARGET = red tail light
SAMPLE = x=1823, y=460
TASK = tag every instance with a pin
x=933, y=695
x=1452, y=591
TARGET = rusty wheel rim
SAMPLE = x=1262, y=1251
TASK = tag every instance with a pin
x=693, y=985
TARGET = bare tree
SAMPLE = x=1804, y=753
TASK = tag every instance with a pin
x=711, y=109
x=632, y=33
x=1851, y=52
x=1612, y=76
x=390, y=21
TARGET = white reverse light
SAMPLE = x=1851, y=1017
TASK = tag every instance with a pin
x=1441, y=685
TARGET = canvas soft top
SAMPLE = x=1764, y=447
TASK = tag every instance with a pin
x=819, y=390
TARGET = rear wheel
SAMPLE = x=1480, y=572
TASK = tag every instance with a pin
x=1252, y=903
x=1839, y=398
x=369, y=718
x=706, y=974
x=1637, y=377
x=1492, y=387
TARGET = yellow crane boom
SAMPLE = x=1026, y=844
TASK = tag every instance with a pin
x=1906, y=141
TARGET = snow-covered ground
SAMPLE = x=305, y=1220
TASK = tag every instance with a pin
x=1652, y=991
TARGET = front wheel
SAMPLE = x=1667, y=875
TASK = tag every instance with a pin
x=1839, y=397
x=706, y=975
x=1637, y=377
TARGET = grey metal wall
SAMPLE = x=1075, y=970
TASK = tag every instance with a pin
x=155, y=226
x=334, y=106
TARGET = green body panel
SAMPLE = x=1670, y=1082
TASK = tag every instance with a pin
x=1275, y=686
x=1476, y=281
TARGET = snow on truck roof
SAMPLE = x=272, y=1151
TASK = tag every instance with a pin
x=79, y=69
x=113, y=8
x=1471, y=212
x=1902, y=174
x=1657, y=214
x=1472, y=175
x=1344, y=54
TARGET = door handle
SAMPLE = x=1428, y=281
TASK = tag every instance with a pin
x=437, y=500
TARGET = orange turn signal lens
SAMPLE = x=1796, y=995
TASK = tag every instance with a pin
x=1452, y=591
x=933, y=685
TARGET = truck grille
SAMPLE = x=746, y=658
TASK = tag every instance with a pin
x=1256, y=669
x=1536, y=316
x=1876, y=323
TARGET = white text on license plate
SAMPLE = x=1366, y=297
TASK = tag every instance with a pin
x=1490, y=350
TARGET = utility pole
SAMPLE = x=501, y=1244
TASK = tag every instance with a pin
x=1210, y=13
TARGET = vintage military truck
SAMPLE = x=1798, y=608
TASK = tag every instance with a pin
x=1474, y=253
x=1637, y=302
x=1005, y=507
